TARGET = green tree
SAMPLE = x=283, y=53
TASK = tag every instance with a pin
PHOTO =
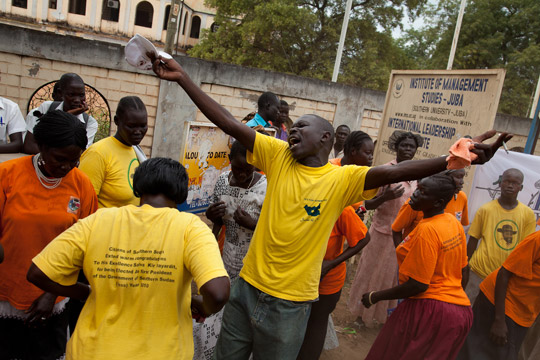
x=301, y=37
x=494, y=34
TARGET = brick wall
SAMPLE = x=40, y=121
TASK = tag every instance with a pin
x=371, y=122
x=240, y=102
x=20, y=76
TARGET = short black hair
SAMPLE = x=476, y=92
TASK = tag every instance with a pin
x=354, y=141
x=161, y=176
x=237, y=149
x=344, y=126
x=59, y=129
x=129, y=103
x=67, y=79
x=399, y=135
x=283, y=103
x=266, y=98
x=446, y=187
x=514, y=171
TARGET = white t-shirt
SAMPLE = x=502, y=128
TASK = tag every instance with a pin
x=32, y=120
x=11, y=119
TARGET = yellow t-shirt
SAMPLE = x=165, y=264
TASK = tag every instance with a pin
x=301, y=206
x=500, y=230
x=110, y=165
x=139, y=262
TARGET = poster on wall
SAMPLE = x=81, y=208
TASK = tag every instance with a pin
x=205, y=158
x=442, y=106
x=486, y=186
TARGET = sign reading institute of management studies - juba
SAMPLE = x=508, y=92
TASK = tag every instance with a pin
x=442, y=106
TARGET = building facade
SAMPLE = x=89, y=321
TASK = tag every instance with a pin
x=123, y=18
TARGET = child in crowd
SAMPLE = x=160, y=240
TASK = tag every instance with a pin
x=435, y=317
x=508, y=304
x=236, y=203
x=407, y=219
x=72, y=89
x=140, y=261
x=501, y=224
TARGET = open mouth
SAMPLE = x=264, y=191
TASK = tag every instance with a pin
x=293, y=142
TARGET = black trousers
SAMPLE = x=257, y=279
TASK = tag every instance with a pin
x=46, y=341
x=316, y=328
x=478, y=345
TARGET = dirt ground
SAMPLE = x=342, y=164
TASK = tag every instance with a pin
x=354, y=341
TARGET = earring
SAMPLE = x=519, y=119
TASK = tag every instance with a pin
x=40, y=161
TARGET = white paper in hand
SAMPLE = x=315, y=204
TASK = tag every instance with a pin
x=136, y=52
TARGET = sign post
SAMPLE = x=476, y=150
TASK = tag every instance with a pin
x=442, y=106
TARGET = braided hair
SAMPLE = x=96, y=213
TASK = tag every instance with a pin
x=354, y=141
x=59, y=129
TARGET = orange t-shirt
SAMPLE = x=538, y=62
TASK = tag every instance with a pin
x=522, y=302
x=434, y=253
x=347, y=226
x=407, y=218
x=31, y=216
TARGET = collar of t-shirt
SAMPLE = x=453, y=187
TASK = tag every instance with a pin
x=257, y=120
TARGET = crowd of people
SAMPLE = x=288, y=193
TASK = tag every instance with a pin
x=94, y=249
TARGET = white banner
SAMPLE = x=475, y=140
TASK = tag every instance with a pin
x=486, y=185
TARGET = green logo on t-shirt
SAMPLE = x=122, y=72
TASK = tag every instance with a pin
x=131, y=171
x=506, y=234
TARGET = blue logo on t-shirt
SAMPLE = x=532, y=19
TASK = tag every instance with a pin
x=313, y=210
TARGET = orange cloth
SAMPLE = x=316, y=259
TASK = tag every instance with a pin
x=434, y=253
x=31, y=216
x=337, y=162
x=347, y=226
x=221, y=239
x=460, y=154
x=407, y=218
x=522, y=302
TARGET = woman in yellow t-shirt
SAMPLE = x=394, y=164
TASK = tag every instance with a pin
x=436, y=316
x=110, y=163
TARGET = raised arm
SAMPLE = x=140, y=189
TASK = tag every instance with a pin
x=169, y=69
x=418, y=169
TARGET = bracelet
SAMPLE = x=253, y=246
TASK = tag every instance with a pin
x=369, y=298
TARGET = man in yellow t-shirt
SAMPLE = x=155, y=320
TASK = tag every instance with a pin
x=270, y=303
x=501, y=224
x=140, y=262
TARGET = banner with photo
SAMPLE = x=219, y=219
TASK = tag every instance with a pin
x=486, y=187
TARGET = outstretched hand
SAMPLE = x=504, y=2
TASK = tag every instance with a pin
x=166, y=69
x=486, y=151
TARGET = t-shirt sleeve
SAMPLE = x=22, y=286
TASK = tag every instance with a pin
x=201, y=255
x=265, y=151
x=421, y=260
x=62, y=259
x=91, y=130
x=89, y=202
x=94, y=166
x=15, y=121
x=351, y=226
x=404, y=218
x=354, y=177
x=31, y=119
x=521, y=260
x=477, y=225
x=465, y=213
x=530, y=222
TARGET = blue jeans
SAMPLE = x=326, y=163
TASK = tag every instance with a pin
x=254, y=321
